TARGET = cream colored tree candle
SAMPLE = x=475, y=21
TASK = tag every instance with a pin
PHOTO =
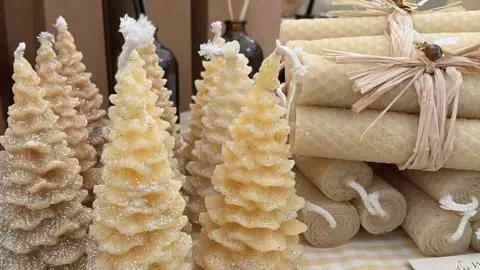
x=252, y=223
x=139, y=35
x=138, y=211
x=203, y=96
x=230, y=93
x=329, y=223
x=63, y=105
x=82, y=87
x=43, y=222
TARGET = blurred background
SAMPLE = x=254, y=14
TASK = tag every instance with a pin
x=182, y=26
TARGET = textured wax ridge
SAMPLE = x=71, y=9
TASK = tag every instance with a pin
x=251, y=223
x=319, y=232
x=437, y=22
x=331, y=176
x=155, y=74
x=82, y=87
x=429, y=226
x=327, y=84
x=228, y=97
x=138, y=210
x=63, y=105
x=391, y=201
x=461, y=185
x=336, y=133
x=204, y=88
x=43, y=221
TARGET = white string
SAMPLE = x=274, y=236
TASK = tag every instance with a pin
x=61, y=23
x=216, y=28
x=298, y=70
x=20, y=50
x=467, y=211
x=421, y=3
x=310, y=207
x=371, y=201
x=281, y=95
x=478, y=233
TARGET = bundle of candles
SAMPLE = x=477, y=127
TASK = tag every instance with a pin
x=337, y=128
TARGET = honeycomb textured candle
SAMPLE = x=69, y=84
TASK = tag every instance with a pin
x=82, y=87
x=230, y=95
x=63, y=105
x=138, y=211
x=43, y=223
x=252, y=223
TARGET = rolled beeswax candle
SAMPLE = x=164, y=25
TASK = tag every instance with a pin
x=327, y=84
x=377, y=45
x=460, y=185
x=391, y=201
x=437, y=22
x=475, y=241
x=333, y=177
x=342, y=222
x=336, y=133
x=429, y=226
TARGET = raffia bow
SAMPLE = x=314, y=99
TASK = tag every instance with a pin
x=437, y=85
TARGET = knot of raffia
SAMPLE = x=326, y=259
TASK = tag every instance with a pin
x=437, y=85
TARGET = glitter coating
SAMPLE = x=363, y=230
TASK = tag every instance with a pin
x=82, y=87
x=229, y=93
x=138, y=211
x=43, y=223
x=251, y=223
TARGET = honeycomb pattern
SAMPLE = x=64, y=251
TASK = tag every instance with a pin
x=392, y=202
x=429, y=226
x=308, y=29
x=376, y=45
x=462, y=185
x=327, y=84
x=336, y=133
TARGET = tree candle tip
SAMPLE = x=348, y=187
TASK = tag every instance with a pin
x=61, y=23
x=20, y=50
x=45, y=37
x=216, y=28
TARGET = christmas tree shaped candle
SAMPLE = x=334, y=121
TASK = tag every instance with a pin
x=252, y=223
x=230, y=93
x=63, y=105
x=82, y=87
x=155, y=73
x=43, y=223
x=203, y=87
x=138, y=211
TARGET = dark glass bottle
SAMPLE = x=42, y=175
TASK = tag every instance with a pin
x=235, y=30
x=168, y=62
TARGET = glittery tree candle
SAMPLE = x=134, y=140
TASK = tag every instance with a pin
x=203, y=97
x=138, y=211
x=139, y=35
x=252, y=223
x=82, y=87
x=43, y=223
x=232, y=86
x=63, y=105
